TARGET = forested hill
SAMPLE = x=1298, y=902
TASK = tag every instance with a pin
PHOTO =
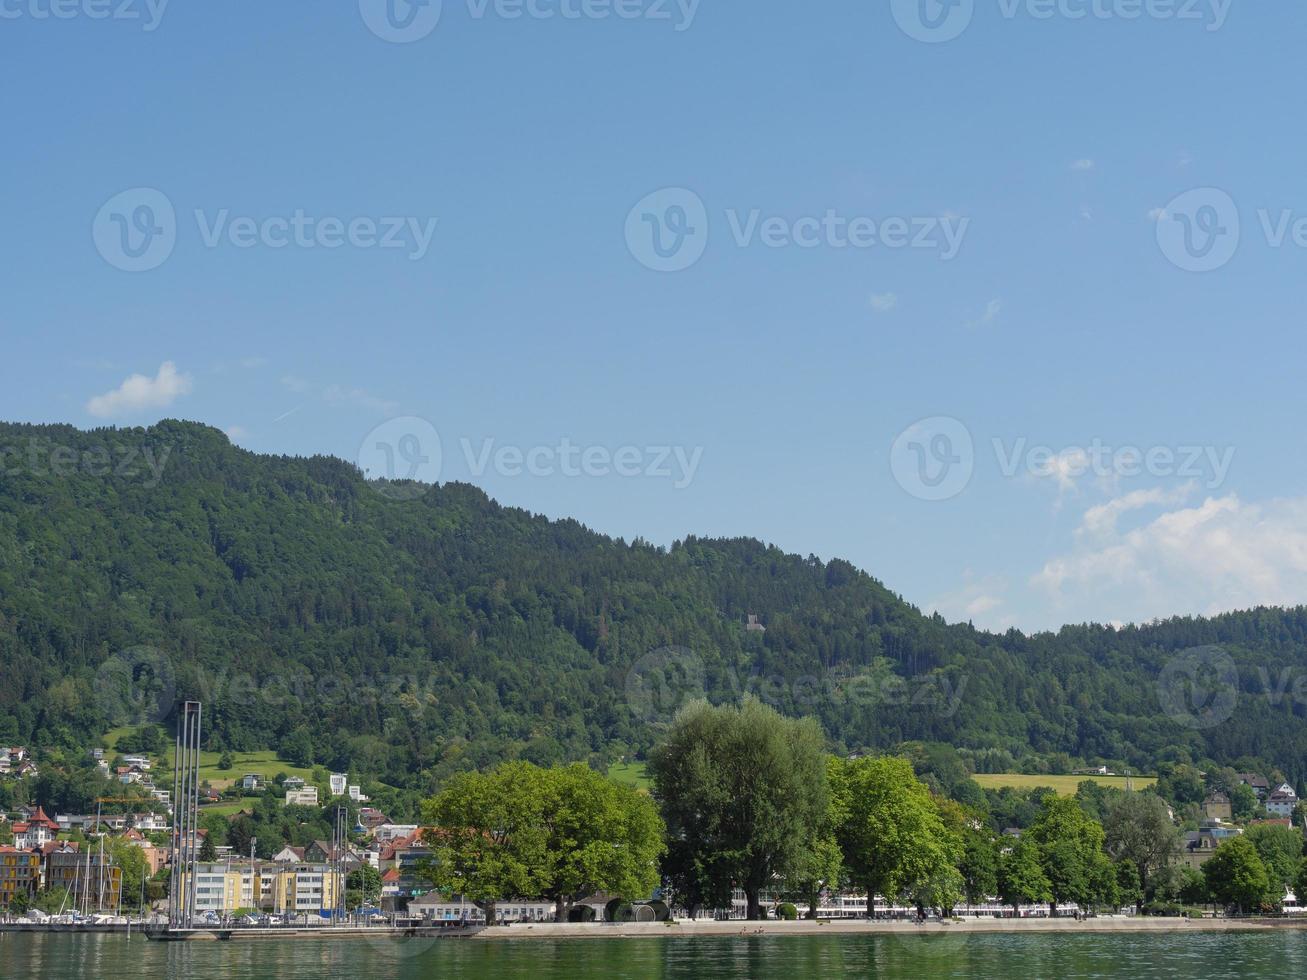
x=403, y=639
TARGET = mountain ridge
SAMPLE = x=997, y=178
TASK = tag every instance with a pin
x=462, y=632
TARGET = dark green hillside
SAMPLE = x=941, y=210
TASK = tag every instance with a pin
x=407, y=639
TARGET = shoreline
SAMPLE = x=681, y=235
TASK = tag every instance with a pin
x=687, y=929
x=742, y=929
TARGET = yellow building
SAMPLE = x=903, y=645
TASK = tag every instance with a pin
x=280, y=888
x=20, y=873
x=223, y=887
x=305, y=889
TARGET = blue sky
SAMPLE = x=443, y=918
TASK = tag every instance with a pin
x=1045, y=210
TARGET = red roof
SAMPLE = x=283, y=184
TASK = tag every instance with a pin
x=40, y=817
x=391, y=875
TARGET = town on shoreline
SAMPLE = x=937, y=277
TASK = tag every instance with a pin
x=744, y=823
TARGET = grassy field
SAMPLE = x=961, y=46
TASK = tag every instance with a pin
x=266, y=764
x=112, y=736
x=228, y=809
x=1063, y=785
x=630, y=773
x=633, y=773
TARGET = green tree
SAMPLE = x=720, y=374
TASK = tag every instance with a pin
x=1071, y=853
x=817, y=869
x=208, y=850
x=1129, y=888
x=602, y=837
x=1137, y=828
x=364, y=884
x=979, y=865
x=1281, y=850
x=488, y=837
x=225, y=761
x=1243, y=802
x=1236, y=875
x=131, y=859
x=1021, y=878
x=743, y=791
x=1300, y=883
x=888, y=826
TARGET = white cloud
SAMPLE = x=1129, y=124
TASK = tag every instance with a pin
x=884, y=302
x=1083, y=165
x=992, y=309
x=1216, y=556
x=980, y=601
x=338, y=395
x=295, y=384
x=1157, y=214
x=139, y=393
x=1102, y=519
x=235, y=432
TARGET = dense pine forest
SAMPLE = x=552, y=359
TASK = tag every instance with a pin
x=405, y=639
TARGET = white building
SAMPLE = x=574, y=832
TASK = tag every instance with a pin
x=394, y=831
x=1282, y=802
x=307, y=796
x=339, y=780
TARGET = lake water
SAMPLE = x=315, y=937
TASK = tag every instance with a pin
x=1065, y=957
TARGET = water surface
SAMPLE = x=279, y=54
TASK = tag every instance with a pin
x=1066, y=957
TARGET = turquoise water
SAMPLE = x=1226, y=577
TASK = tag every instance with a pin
x=1206, y=955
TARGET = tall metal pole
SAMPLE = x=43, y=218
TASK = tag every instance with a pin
x=195, y=807
x=174, y=856
x=182, y=807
